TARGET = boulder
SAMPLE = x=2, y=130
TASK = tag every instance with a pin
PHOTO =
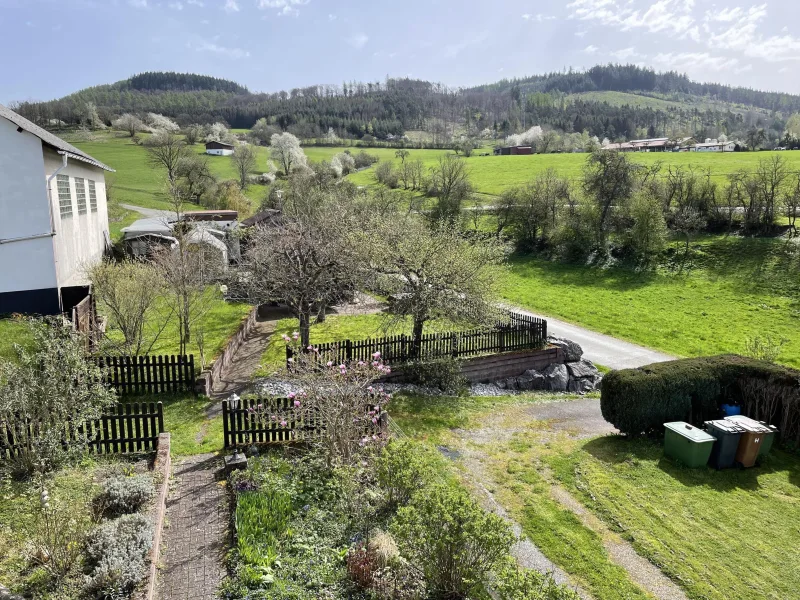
x=581, y=369
x=524, y=383
x=581, y=386
x=538, y=381
x=557, y=377
x=572, y=351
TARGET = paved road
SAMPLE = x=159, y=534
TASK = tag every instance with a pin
x=603, y=349
x=151, y=213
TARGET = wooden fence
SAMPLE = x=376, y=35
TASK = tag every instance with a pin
x=242, y=426
x=140, y=375
x=84, y=321
x=125, y=428
x=520, y=332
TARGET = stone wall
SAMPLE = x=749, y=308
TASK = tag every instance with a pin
x=205, y=381
x=484, y=369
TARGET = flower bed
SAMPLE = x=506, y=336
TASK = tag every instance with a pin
x=384, y=526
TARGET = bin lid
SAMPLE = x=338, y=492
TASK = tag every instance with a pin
x=725, y=426
x=749, y=424
x=690, y=432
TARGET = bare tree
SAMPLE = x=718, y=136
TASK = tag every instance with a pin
x=129, y=291
x=451, y=184
x=244, y=161
x=165, y=150
x=308, y=260
x=791, y=203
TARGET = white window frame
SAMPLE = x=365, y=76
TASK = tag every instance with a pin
x=64, y=196
x=80, y=195
x=92, y=196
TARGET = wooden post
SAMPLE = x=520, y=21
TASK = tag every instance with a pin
x=225, y=442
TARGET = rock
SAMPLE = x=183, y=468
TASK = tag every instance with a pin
x=581, y=386
x=582, y=369
x=539, y=381
x=501, y=384
x=6, y=595
x=510, y=383
x=557, y=377
x=525, y=383
x=572, y=351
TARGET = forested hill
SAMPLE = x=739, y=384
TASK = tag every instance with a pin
x=613, y=101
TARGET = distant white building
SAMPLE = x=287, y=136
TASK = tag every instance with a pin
x=53, y=218
x=715, y=146
x=219, y=148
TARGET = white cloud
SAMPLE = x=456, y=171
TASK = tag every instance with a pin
x=725, y=15
x=626, y=54
x=220, y=50
x=453, y=50
x=358, y=40
x=590, y=49
x=741, y=35
x=580, y=34
x=539, y=17
x=331, y=17
x=138, y=3
x=230, y=6
x=285, y=8
x=682, y=61
x=195, y=2
x=176, y=6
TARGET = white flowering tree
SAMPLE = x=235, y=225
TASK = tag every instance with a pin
x=343, y=164
x=218, y=132
x=128, y=122
x=286, y=151
x=527, y=138
x=162, y=123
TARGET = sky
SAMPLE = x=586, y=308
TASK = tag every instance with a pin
x=50, y=48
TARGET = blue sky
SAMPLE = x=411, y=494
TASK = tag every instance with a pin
x=53, y=47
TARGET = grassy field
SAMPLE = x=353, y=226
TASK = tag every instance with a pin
x=737, y=288
x=717, y=534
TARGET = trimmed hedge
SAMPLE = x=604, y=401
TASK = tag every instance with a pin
x=639, y=401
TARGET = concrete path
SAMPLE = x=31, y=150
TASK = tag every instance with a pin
x=150, y=213
x=197, y=532
x=600, y=348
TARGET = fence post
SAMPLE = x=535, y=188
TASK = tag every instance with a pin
x=225, y=421
x=454, y=345
x=544, y=331
x=160, y=417
x=502, y=338
x=348, y=347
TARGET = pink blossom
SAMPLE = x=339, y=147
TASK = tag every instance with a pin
x=297, y=403
x=330, y=363
x=310, y=348
x=295, y=335
x=289, y=360
x=375, y=363
x=283, y=423
x=291, y=395
x=370, y=389
x=377, y=355
x=361, y=363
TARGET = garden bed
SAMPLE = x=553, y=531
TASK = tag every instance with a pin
x=85, y=533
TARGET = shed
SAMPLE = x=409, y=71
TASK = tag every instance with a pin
x=219, y=148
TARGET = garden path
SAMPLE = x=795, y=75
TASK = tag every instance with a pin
x=197, y=532
x=580, y=419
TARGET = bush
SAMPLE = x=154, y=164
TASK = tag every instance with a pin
x=452, y=540
x=513, y=583
x=640, y=401
x=124, y=495
x=262, y=520
x=403, y=468
x=443, y=374
x=116, y=553
x=364, y=159
x=386, y=174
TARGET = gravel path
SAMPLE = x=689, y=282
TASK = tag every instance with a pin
x=150, y=213
x=600, y=348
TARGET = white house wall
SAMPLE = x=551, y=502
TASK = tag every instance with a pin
x=24, y=264
x=80, y=240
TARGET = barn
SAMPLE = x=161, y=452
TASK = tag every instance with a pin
x=219, y=148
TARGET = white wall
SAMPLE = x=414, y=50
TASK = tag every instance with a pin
x=24, y=211
x=220, y=152
x=80, y=240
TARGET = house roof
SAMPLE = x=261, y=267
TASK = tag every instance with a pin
x=214, y=142
x=710, y=144
x=49, y=139
x=265, y=215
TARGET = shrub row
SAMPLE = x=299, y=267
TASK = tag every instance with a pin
x=639, y=401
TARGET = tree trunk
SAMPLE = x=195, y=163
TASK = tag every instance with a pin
x=305, y=324
x=416, y=338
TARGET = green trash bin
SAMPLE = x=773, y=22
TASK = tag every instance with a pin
x=727, y=434
x=688, y=444
x=769, y=438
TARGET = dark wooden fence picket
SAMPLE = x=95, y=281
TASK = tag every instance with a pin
x=125, y=428
x=144, y=375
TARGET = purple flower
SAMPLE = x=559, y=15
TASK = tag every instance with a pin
x=291, y=395
x=376, y=356
x=283, y=423
x=297, y=403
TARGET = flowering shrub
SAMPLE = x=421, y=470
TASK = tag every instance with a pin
x=340, y=400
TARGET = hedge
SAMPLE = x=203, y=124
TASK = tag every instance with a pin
x=639, y=401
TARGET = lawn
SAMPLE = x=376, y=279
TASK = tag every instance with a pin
x=12, y=331
x=218, y=324
x=736, y=288
x=336, y=327
x=720, y=534
x=717, y=534
x=191, y=429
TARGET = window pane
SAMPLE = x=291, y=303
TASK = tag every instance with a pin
x=92, y=196
x=80, y=192
x=64, y=196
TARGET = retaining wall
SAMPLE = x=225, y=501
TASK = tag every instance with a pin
x=205, y=381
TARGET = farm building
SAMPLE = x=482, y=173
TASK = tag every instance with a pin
x=513, y=150
x=55, y=218
x=715, y=146
x=219, y=148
